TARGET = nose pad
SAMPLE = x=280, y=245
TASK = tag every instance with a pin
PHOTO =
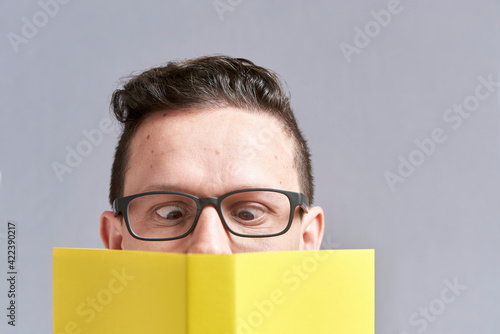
x=209, y=235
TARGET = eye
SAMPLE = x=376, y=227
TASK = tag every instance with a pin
x=171, y=212
x=248, y=213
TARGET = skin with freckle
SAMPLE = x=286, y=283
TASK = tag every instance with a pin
x=210, y=156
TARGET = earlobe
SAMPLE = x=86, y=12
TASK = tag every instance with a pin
x=111, y=230
x=313, y=226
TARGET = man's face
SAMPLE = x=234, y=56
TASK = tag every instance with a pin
x=207, y=153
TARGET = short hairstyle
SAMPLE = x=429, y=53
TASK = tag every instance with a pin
x=205, y=82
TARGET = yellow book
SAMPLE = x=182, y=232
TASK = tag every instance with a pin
x=104, y=291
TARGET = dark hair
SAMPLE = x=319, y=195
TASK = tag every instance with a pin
x=205, y=82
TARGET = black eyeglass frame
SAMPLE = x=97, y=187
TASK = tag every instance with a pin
x=120, y=206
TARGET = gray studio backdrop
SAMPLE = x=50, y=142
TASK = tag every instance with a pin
x=398, y=99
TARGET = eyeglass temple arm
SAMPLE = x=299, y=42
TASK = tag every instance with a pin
x=303, y=202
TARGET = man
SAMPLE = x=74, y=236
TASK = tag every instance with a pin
x=210, y=161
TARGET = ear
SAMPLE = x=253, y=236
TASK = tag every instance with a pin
x=313, y=226
x=111, y=230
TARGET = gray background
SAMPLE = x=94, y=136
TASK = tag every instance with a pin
x=359, y=117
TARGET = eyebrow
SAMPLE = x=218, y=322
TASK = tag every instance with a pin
x=162, y=187
x=179, y=188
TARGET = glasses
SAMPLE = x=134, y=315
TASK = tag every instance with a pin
x=252, y=213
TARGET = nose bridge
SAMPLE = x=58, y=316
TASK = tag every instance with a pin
x=208, y=200
x=209, y=234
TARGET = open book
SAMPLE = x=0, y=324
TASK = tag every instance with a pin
x=104, y=291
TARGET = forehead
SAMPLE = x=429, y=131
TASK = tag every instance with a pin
x=211, y=150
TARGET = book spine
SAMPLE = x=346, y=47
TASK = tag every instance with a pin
x=210, y=294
